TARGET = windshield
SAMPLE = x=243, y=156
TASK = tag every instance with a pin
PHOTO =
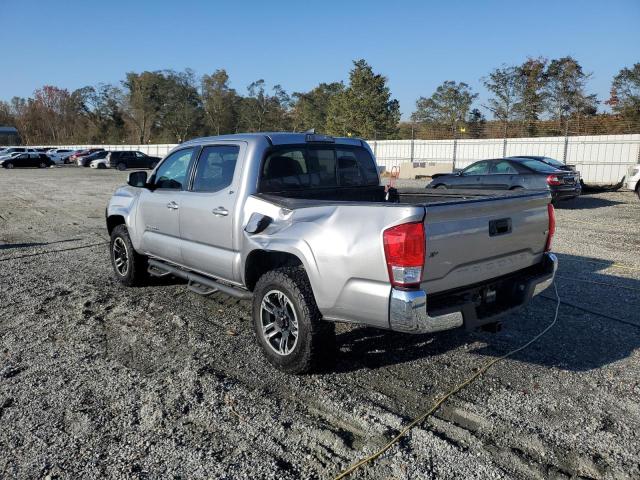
x=538, y=166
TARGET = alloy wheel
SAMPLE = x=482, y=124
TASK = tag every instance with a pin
x=279, y=322
x=120, y=257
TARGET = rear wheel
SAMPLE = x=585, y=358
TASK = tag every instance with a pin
x=43, y=165
x=153, y=165
x=288, y=325
x=129, y=266
x=441, y=187
x=121, y=166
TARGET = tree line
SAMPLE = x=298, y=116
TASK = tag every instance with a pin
x=168, y=106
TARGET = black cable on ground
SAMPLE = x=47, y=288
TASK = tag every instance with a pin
x=52, y=251
x=442, y=399
x=593, y=312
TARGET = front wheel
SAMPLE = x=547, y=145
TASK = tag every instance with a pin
x=288, y=325
x=42, y=165
x=441, y=187
x=129, y=266
x=8, y=165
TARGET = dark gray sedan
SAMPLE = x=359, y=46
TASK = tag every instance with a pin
x=512, y=174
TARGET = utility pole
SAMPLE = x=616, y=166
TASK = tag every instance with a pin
x=566, y=108
x=455, y=146
x=412, y=143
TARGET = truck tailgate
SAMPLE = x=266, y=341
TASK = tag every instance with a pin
x=473, y=241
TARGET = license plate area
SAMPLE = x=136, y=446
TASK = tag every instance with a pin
x=501, y=226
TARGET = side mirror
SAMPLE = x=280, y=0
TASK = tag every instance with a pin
x=459, y=173
x=137, y=179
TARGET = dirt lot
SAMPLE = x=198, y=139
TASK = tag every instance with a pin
x=100, y=381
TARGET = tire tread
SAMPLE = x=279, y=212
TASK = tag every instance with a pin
x=321, y=341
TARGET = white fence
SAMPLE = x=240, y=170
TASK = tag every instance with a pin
x=601, y=159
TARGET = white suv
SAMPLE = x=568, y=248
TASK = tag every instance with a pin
x=633, y=179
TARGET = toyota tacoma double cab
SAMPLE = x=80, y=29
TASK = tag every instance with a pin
x=299, y=224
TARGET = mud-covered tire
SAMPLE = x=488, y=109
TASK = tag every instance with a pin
x=136, y=271
x=315, y=345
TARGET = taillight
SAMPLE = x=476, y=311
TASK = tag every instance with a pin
x=552, y=227
x=554, y=180
x=404, y=247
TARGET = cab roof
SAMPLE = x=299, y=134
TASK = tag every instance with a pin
x=280, y=138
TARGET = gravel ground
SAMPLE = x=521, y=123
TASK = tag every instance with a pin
x=98, y=380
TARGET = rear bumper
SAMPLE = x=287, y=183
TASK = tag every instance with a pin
x=566, y=191
x=409, y=311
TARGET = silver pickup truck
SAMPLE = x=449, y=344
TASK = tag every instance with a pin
x=300, y=224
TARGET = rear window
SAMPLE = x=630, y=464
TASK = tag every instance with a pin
x=553, y=162
x=538, y=166
x=317, y=166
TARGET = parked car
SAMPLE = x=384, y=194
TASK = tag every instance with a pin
x=85, y=161
x=130, y=159
x=60, y=155
x=512, y=174
x=300, y=224
x=32, y=159
x=99, y=163
x=632, y=181
x=9, y=156
x=549, y=161
x=6, y=152
x=83, y=153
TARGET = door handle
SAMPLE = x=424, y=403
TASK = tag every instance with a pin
x=220, y=212
x=172, y=206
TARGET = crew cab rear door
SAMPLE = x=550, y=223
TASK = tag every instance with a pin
x=208, y=210
x=159, y=206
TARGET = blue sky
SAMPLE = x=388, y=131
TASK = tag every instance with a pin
x=416, y=44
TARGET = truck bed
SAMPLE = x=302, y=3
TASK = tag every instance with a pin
x=461, y=248
x=408, y=196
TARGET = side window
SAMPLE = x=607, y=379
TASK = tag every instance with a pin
x=215, y=168
x=140, y=155
x=503, y=167
x=480, y=168
x=172, y=172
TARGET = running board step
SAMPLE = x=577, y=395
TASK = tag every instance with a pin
x=200, y=280
x=200, y=289
x=156, y=272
